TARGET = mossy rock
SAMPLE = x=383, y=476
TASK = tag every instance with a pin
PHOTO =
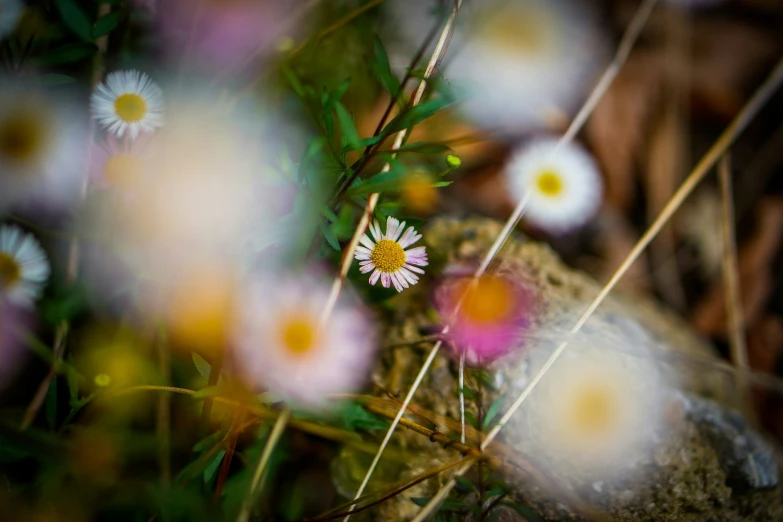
x=710, y=465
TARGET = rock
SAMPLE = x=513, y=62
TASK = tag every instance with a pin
x=706, y=463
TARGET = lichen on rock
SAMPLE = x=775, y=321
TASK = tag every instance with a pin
x=704, y=463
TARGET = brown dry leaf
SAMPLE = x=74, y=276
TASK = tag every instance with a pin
x=728, y=56
x=616, y=129
x=755, y=274
x=665, y=168
x=616, y=239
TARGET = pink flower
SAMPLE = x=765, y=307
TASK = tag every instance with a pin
x=486, y=317
x=281, y=343
x=218, y=34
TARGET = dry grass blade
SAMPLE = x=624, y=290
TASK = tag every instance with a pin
x=372, y=201
x=739, y=355
x=761, y=96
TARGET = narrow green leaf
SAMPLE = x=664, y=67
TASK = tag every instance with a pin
x=330, y=236
x=331, y=99
x=107, y=23
x=75, y=19
x=70, y=53
x=492, y=412
x=203, y=367
x=212, y=466
x=466, y=484
x=56, y=79
x=347, y=126
x=415, y=115
x=209, y=441
x=380, y=182
x=380, y=65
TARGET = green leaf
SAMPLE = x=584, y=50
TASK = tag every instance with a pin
x=380, y=65
x=492, y=412
x=75, y=18
x=466, y=484
x=415, y=115
x=71, y=53
x=380, y=182
x=354, y=417
x=347, y=126
x=56, y=79
x=107, y=23
x=212, y=466
x=330, y=237
x=203, y=367
x=470, y=419
x=330, y=100
x=209, y=441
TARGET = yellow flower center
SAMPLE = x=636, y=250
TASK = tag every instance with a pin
x=419, y=194
x=200, y=308
x=388, y=256
x=549, y=184
x=10, y=271
x=130, y=107
x=298, y=335
x=593, y=411
x=122, y=170
x=22, y=136
x=514, y=31
x=488, y=300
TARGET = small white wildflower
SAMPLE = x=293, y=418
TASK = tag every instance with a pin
x=387, y=258
x=128, y=101
x=562, y=184
x=282, y=344
x=24, y=267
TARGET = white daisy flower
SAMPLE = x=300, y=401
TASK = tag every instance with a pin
x=24, y=267
x=387, y=255
x=41, y=148
x=10, y=11
x=128, y=101
x=281, y=343
x=524, y=63
x=562, y=184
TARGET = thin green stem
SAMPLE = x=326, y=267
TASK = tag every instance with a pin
x=256, y=482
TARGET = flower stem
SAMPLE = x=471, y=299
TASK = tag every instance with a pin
x=255, y=483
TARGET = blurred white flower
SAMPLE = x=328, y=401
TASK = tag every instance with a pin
x=24, y=268
x=10, y=11
x=128, y=101
x=119, y=166
x=524, y=63
x=200, y=188
x=562, y=184
x=387, y=258
x=598, y=411
x=41, y=149
x=280, y=342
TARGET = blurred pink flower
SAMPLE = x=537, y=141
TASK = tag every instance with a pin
x=219, y=34
x=487, y=317
x=280, y=343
